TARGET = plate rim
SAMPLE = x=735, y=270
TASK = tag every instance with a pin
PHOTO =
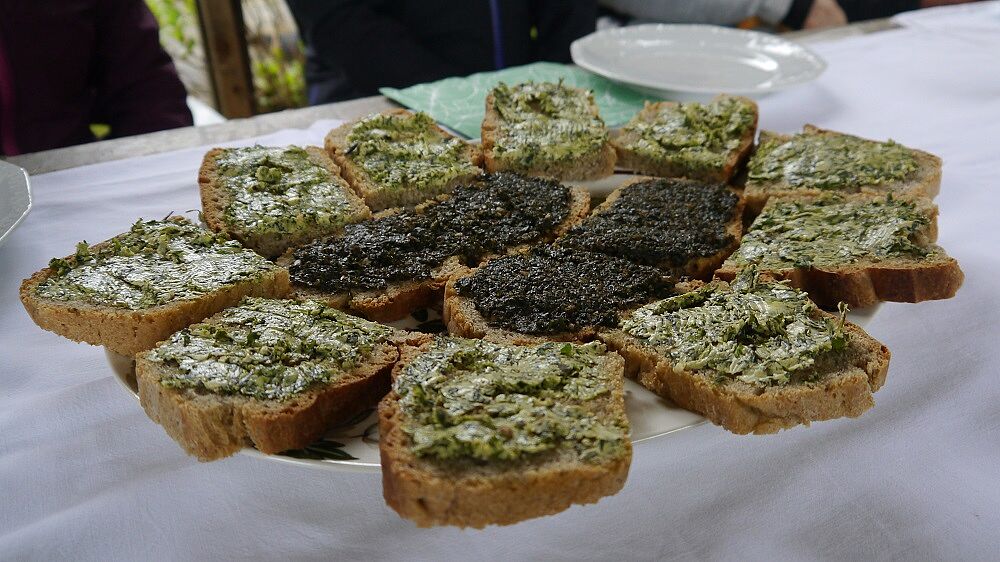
x=31, y=199
x=577, y=46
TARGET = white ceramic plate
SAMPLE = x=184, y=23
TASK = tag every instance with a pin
x=15, y=197
x=696, y=59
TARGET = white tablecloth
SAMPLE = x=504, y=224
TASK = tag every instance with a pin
x=85, y=475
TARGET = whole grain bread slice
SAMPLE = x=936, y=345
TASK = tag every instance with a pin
x=598, y=164
x=839, y=384
x=924, y=182
x=216, y=199
x=401, y=298
x=696, y=266
x=476, y=494
x=211, y=425
x=126, y=331
x=866, y=281
x=379, y=197
x=630, y=159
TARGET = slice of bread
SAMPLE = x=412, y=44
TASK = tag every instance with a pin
x=400, y=298
x=128, y=331
x=472, y=489
x=839, y=383
x=683, y=227
x=274, y=216
x=729, y=137
x=591, y=164
x=379, y=196
x=860, y=280
x=548, y=294
x=212, y=424
x=924, y=181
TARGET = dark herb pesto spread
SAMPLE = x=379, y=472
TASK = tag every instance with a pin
x=751, y=331
x=693, y=136
x=268, y=349
x=661, y=222
x=403, y=151
x=833, y=231
x=154, y=263
x=553, y=290
x=276, y=190
x=494, y=213
x=470, y=399
x=544, y=123
x=831, y=161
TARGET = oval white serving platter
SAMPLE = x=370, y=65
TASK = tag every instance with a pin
x=672, y=59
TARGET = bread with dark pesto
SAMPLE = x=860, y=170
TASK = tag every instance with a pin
x=474, y=492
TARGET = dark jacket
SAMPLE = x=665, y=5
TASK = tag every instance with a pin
x=65, y=64
x=356, y=46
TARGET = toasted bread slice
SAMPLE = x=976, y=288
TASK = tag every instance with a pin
x=402, y=296
x=305, y=198
x=522, y=132
x=214, y=413
x=112, y=312
x=548, y=294
x=700, y=141
x=449, y=160
x=683, y=227
x=924, y=179
x=784, y=239
x=750, y=396
x=507, y=472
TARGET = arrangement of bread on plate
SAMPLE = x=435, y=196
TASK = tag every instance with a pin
x=717, y=276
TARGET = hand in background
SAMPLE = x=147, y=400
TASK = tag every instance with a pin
x=825, y=13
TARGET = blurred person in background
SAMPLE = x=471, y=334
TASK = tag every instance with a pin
x=353, y=47
x=779, y=14
x=68, y=64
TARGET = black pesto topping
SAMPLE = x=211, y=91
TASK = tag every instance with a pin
x=553, y=290
x=496, y=212
x=660, y=222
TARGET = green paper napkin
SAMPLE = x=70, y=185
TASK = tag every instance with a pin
x=459, y=102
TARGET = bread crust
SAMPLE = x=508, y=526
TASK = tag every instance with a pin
x=867, y=282
x=376, y=197
x=213, y=426
x=597, y=165
x=128, y=332
x=630, y=160
x=215, y=200
x=429, y=494
x=843, y=390
x=926, y=182
x=401, y=298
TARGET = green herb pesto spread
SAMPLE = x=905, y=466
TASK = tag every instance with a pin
x=404, y=151
x=154, y=263
x=471, y=399
x=832, y=231
x=751, y=331
x=277, y=190
x=544, y=123
x=693, y=136
x=268, y=349
x=831, y=161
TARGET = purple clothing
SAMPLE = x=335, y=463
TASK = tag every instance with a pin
x=65, y=64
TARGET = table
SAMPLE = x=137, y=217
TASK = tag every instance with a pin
x=85, y=475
